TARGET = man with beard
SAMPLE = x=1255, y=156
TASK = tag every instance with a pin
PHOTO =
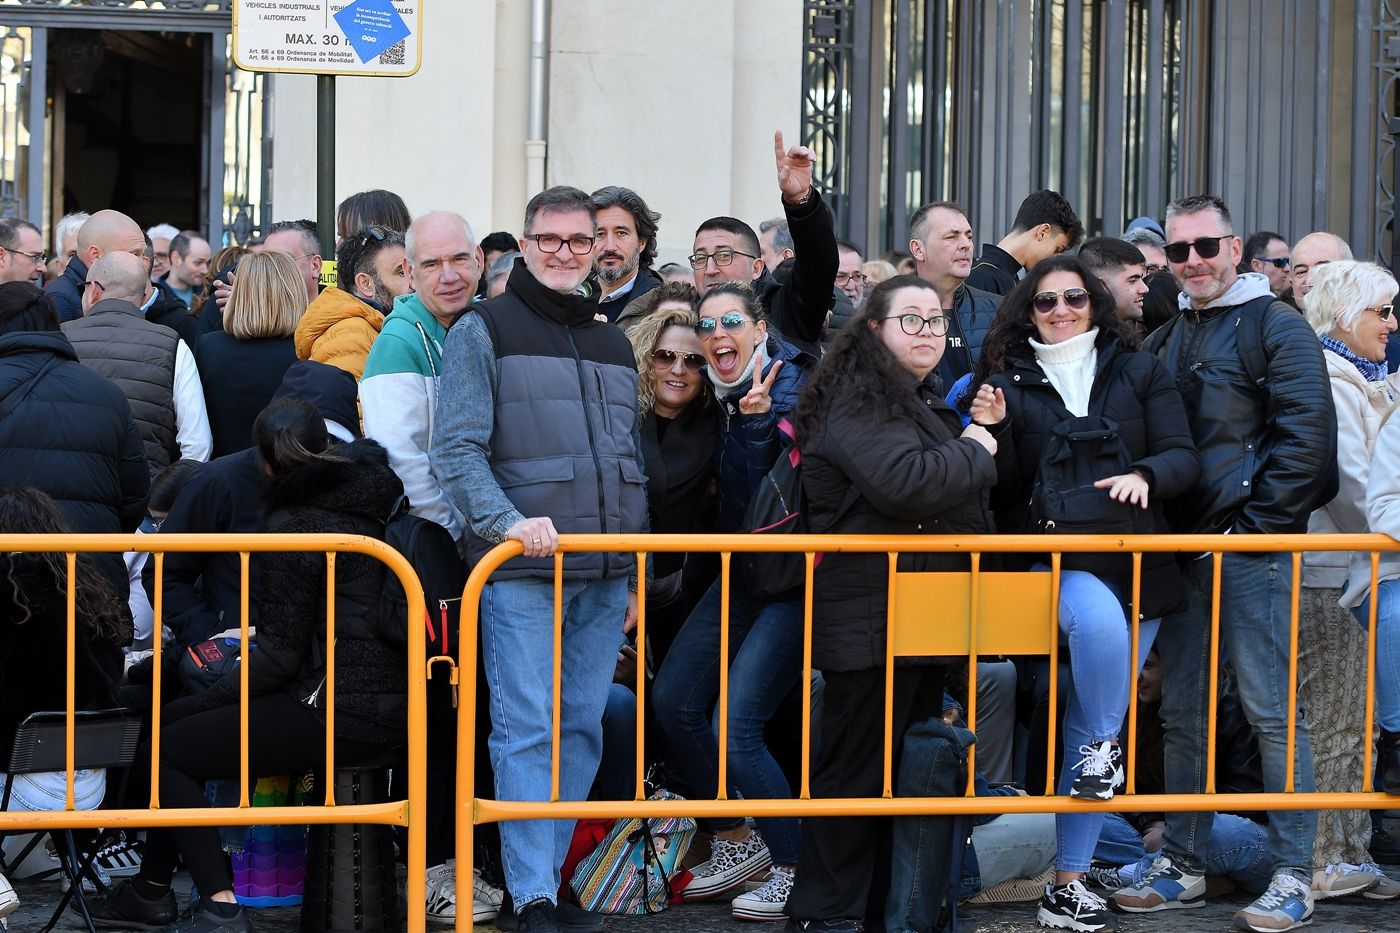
x=627, y=248
x=341, y=324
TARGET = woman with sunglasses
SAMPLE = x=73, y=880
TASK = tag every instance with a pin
x=1056, y=352
x=882, y=454
x=680, y=421
x=756, y=377
x=1350, y=307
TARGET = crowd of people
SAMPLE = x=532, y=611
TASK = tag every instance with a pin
x=1177, y=379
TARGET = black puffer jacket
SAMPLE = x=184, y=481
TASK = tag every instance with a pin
x=169, y=310
x=908, y=477
x=72, y=436
x=1138, y=396
x=353, y=495
x=973, y=313
x=1264, y=451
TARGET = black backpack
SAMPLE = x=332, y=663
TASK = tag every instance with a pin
x=1079, y=452
x=442, y=572
x=778, y=507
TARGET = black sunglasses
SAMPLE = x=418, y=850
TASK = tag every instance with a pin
x=1207, y=247
x=730, y=320
x=665, y=359
x=1076, y=299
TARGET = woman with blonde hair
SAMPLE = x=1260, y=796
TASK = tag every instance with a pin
x=242, y=365
x=679, y=419
x=1350, y=307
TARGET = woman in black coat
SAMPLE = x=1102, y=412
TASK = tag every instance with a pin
x=1056, y=367
x=881, y=454
x=313, y=488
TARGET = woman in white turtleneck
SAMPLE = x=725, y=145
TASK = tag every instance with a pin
x=1057, y=352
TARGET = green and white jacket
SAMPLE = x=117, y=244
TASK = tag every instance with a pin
x=398, y=396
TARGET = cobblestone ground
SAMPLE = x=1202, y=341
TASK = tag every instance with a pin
x=1343, y=915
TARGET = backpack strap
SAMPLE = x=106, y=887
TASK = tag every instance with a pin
x=1249, y=335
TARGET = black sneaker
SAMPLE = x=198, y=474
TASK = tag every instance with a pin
x=201, y=919
x=569, y=918
x=537, y=917
x=1074, y=907
x=824, y=926
x=1105, y=877
x=1099, y=773
x=1385, y=848
x=124, y=908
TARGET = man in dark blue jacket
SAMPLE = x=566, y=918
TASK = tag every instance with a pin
x=103, y=232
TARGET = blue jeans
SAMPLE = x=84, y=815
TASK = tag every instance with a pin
x=765, y=641
x=517, y=644
x=1013, y=845
x=1387, y=651
x=1255, y=593
x=1238, y=848
x=1094, y=626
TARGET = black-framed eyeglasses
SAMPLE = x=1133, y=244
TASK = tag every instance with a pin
x=914, y=324
x=100, y=286
x=40, y=258
x=1076, y=299
x=553, y=243
x=722, y=257
x=662, y=358
x=1278, y=262
x=860, y=278
x=730, y=321
x=1207, y=247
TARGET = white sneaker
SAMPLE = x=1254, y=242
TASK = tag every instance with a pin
x=769, y=901
x=9, y=900
x=442, y=895
x=730, y=865
x=1341, y=879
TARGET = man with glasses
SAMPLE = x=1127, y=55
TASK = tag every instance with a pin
x=341, y=325
x=300, y=240
x=102, y=233
x=1266, y=441
x=1266, y=253
x=149, y=362
x=727, y=250
x=537, y=436
x=22, y=256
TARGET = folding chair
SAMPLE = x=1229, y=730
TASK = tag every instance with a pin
x=101, y=739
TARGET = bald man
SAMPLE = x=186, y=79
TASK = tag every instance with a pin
x=152, y=365
x=104, y=232
x=1311, y=252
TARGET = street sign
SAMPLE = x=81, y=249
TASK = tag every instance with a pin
x=380, y=38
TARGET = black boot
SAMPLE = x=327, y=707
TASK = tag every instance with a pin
x=1388, y=762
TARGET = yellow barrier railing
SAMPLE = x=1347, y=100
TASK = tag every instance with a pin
x=409, y=812
x=984, y=600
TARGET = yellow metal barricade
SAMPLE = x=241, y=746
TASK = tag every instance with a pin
x=978, y=613
x=409, y=812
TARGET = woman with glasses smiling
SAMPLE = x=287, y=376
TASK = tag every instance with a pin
x=1059, y=374
x=756, y=377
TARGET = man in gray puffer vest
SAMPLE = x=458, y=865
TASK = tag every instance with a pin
x=536, y=434
x=154, y=368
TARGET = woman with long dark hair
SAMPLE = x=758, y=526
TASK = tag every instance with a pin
x=882, y=454
x=1058, y=371
x=314, y=487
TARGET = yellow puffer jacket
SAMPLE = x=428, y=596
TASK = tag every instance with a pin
x=338, y=329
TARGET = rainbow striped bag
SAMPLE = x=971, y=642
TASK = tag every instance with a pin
x=630, y=872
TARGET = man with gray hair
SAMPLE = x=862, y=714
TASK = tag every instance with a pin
x=151, y=364
x=65, y=238
x=500, y=271
x=1151, y=246
x=160, y=236
x=775, y=243
x=1252, y=375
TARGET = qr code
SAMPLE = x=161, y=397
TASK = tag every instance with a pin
x=393, y=55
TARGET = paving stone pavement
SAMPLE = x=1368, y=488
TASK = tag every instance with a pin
x=1348, y=915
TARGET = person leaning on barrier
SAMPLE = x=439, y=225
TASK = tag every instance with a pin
x=536, y=436
x=1350, y=306
x=1057, y=359
x=1267, y=450
x=882, y=455
x=756, y=377
x=314, y=486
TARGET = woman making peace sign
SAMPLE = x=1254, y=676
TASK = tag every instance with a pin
x=756, y=377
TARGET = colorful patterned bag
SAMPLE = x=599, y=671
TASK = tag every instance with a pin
x=631, y=870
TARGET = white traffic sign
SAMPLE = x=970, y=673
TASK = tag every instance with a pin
x=382, y=38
